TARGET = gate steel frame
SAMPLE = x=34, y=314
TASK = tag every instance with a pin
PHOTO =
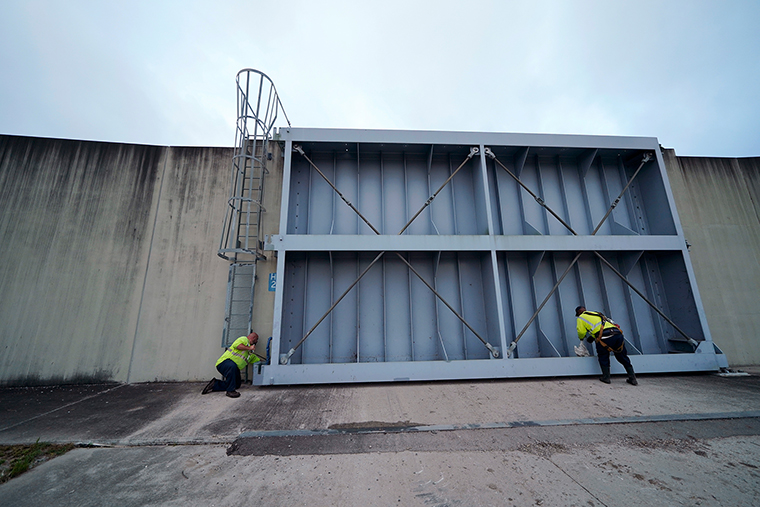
x=493, y=246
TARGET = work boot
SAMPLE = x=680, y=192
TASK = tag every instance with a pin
x=605, y=375
x=631, y=376
x=233, y=394
x=209, y=387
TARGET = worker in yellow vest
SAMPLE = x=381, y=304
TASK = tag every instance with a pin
x=239, y=355
x=594, y=326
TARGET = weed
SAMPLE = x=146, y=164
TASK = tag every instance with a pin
x=17, y=459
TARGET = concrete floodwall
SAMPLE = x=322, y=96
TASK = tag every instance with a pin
x=108, y=266
x=718, y=201
x=181, y=309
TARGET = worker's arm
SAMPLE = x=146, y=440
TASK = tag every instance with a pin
x=242, y=346
x=253, y=358
x=582, y=328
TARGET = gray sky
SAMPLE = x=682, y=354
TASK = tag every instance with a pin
x=153, y=72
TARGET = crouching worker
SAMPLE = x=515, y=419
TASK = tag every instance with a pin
x=234, y=359
x=596, y=327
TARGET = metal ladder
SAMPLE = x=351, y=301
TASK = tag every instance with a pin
x=239, y=306
x=258, y=106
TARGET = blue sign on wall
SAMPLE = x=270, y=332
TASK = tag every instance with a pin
x=272, y=282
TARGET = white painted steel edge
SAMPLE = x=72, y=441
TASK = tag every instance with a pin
x=298, y=134
x=373, y=243
x=687, y=259
x=276, y=374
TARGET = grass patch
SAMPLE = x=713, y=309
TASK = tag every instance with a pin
x=17, y=459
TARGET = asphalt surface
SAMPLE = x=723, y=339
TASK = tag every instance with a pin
x=690, y=439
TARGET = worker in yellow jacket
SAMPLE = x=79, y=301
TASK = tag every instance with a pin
x=239, y=355
x=594, y=326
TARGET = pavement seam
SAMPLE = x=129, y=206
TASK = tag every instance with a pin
x=62, y=407
x=500, y=425
x=584, y=488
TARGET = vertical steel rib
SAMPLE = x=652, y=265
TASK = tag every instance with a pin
x=437, y=314
x=332, y=293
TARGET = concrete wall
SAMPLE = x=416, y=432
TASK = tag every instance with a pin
x=75, y=233
x=109, y=272
x=109, y=269
x=181, y=309
x=718, y=201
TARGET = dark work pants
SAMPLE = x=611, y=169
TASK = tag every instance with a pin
x=614, y=342
x=231, y=373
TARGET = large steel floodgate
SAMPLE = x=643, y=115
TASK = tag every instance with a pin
x=409, y=255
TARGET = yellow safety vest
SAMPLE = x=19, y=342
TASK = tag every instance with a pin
x=241, y=357
x=591, y=323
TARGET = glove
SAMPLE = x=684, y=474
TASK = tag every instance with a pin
x=581, y=350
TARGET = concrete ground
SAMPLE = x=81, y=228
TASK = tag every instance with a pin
x=689, y=439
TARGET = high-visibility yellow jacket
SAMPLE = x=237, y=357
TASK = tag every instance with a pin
x=241, y=357
x=587, y=323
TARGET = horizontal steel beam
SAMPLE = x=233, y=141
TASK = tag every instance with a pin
x=408, y=137
x=276, y=374
x=373, y=243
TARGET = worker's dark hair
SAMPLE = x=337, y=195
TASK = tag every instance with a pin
x=579, y=310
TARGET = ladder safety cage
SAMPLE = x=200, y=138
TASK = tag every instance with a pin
x=258, y=108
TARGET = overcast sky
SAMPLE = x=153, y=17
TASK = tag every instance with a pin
x=153, y=72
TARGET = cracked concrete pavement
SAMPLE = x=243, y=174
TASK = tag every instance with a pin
x=691, y=439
